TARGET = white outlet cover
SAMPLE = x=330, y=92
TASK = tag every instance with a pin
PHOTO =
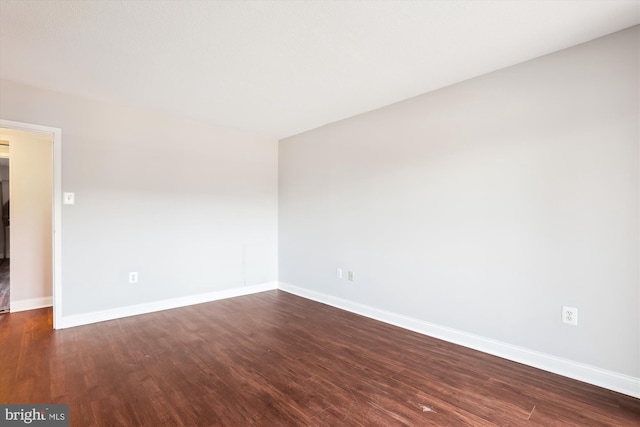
x=570, y=315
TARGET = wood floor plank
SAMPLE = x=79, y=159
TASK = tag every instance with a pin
x=274, y=359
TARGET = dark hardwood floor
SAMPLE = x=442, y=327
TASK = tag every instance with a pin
x=274, y=359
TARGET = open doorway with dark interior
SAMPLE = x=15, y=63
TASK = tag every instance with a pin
x=5, y=261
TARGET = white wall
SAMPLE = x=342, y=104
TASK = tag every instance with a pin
x=191, y=207
x=484, y=206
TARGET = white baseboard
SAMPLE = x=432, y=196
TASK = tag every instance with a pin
x=30, y=304
x=579, y=371
x=133, y=310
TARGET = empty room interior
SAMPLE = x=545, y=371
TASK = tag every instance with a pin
x=320, y=213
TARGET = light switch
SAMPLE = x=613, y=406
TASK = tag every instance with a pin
x=69, y=198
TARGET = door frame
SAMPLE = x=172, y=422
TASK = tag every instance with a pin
x=56, y=209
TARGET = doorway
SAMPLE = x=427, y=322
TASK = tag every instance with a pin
x=5, y=265
x=35, y=284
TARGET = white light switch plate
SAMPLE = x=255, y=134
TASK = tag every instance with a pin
x=69, y=198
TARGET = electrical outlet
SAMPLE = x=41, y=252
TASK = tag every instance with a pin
x=570, y=315
x=350, y=276
x=133, y=277
x=339, y=273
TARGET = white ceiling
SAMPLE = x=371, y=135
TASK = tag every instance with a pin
x=278, y=68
